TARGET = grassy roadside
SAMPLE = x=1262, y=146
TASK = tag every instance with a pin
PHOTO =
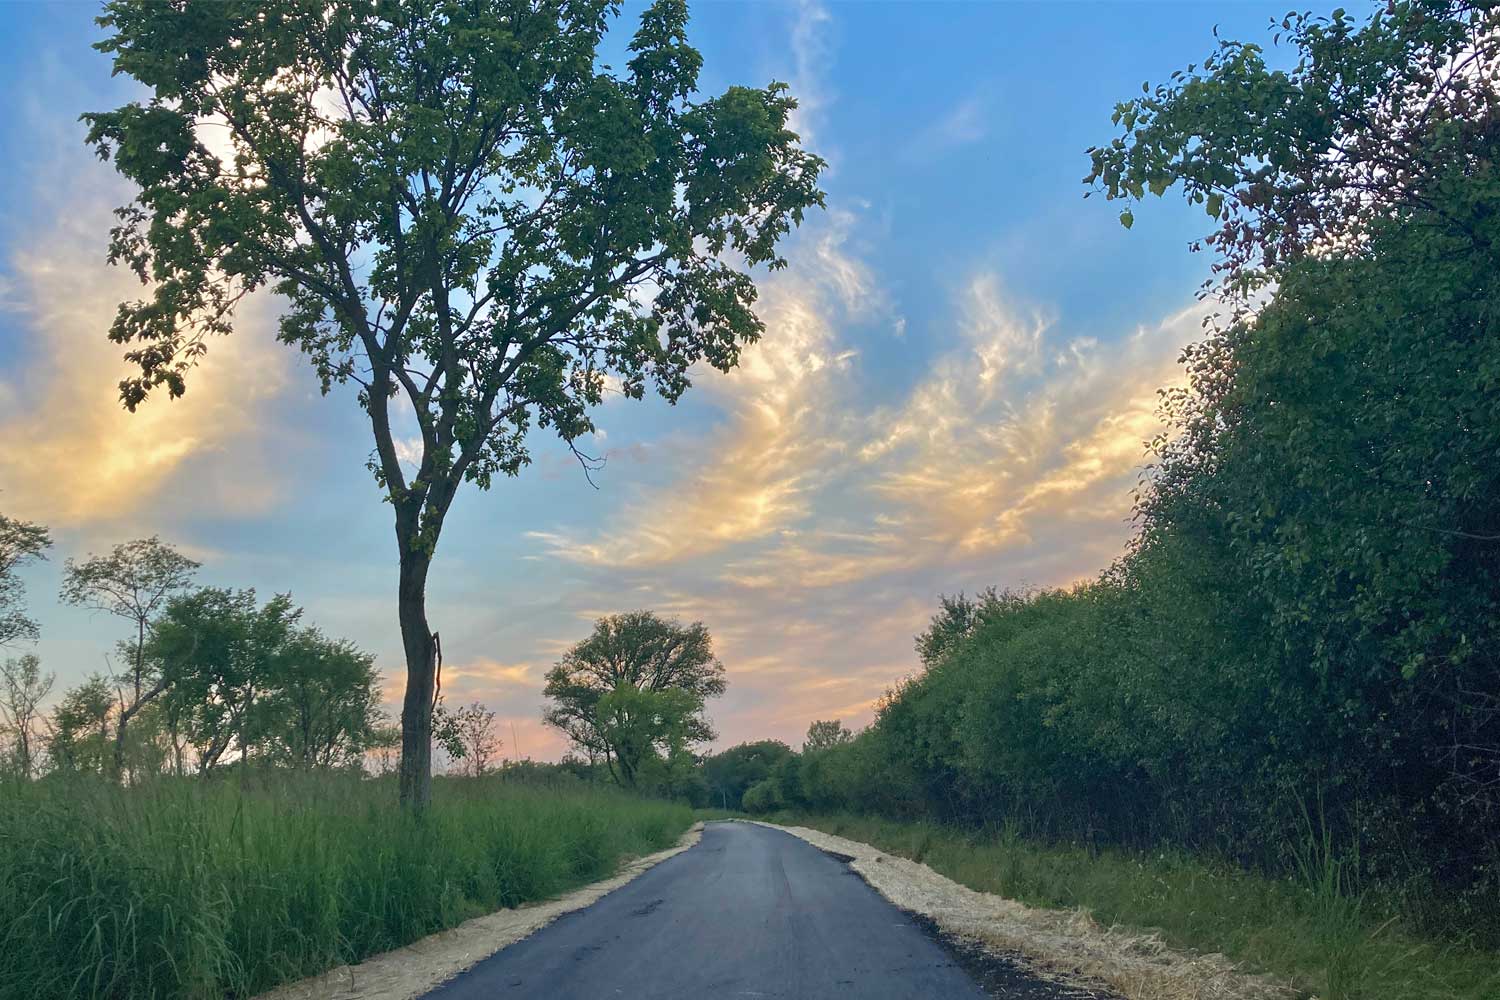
x=192, y=890
x=1327, y=944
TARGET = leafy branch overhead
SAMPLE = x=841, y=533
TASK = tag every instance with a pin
x=1377, y=121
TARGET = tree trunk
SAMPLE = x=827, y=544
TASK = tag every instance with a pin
x=140, y=664
x=421, y=680
x=126, y=714
x=120, y=747
x=176, y=737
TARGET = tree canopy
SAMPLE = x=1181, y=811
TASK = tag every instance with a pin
x=462, y=207
x=634, y=691
x=825, y=734
x=1388, y=119
x=20, y=542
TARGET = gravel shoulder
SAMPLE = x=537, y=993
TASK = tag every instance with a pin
x=1065, y=947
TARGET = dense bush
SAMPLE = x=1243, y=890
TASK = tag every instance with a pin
x=188, y=888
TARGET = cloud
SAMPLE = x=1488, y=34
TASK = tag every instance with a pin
x=69, y=453
x=755, y=477
x=1009, y=461
x=1002, y=442
x=966, y=123
x=811, y=57
x=1005, y=439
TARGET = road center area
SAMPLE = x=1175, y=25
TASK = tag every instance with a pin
x=749, y=912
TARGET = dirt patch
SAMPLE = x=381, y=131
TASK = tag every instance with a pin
x=422, y=965
x=1066, y=947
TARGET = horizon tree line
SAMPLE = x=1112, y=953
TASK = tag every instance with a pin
x=207, y=676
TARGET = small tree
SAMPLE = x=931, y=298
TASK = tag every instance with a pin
x=134, y=581
x=78, y=736
x=634, y=690
x=463, y=208
x=474, y=736
x=221, y=652
x=320, y=706
x=825, y=735
x=23, y=687
x=20, y=542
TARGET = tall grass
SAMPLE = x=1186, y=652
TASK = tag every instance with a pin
x=1314, y=929
x=188, y=889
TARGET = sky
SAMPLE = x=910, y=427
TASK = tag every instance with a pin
x=958, y=376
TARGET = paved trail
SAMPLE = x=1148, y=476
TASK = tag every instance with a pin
x=748, y=912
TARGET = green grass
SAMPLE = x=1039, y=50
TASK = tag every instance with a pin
x=1309, y=930
x=186, y=889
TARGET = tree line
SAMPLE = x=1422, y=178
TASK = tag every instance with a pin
x=209, y=677
x=1303, y=636
x=204, y=677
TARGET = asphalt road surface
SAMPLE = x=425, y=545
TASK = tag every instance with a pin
x=747, y=912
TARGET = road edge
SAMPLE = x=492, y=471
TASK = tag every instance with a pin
x=1066, y=947
x=410, y=971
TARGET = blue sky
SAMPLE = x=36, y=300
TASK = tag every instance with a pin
x=958, y=373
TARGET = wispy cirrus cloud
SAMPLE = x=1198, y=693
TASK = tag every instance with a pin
x=780, y=435
x=1010, y=434
x=963, y=124
x=811, y=56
